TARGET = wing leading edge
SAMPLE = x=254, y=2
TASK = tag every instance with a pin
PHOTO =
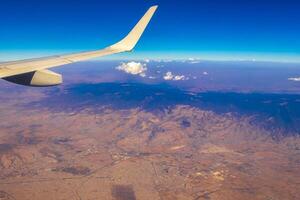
x=10, y=69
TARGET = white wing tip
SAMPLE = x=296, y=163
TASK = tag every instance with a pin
x=154, y=7
x=129, y=42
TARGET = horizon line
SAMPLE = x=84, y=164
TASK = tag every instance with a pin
x=14, y=55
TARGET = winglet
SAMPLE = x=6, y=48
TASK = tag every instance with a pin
x=129, y=42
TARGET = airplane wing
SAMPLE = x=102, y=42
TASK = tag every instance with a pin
x=33, y=72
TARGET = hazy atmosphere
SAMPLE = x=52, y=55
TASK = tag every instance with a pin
x=206, y=106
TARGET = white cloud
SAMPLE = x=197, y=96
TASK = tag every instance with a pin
x=294, y=79
x=168, y=60
x=142, y=74
x=170, y=77
x=193, y=60
x=134, y=68
x=152, y=77
x=205, y=73
x=179, y=78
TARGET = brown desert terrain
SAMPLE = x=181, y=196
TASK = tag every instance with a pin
x=127, y=154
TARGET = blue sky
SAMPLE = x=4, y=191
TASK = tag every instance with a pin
x=205, y=29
